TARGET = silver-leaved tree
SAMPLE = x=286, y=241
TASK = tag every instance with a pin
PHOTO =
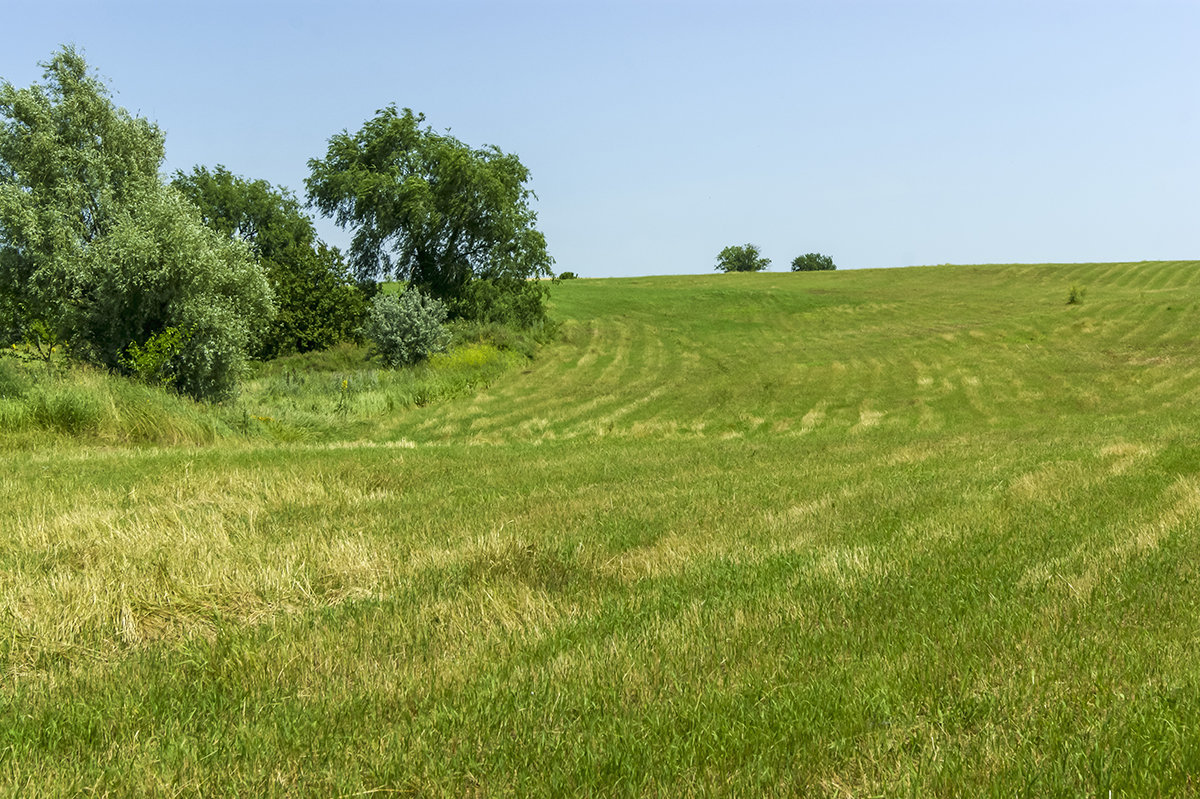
x=98, y=253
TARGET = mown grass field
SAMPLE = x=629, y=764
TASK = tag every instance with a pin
x=928, y=531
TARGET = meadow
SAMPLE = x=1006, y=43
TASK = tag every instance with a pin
x=927, y=531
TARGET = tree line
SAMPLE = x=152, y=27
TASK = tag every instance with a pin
x=184, y=280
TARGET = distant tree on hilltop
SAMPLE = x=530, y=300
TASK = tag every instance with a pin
x=742, y=259
x=812, y=262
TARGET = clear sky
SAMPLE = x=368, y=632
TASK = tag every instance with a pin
x=658, y=132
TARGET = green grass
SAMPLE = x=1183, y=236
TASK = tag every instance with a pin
x=901, y=532
x=332, y=395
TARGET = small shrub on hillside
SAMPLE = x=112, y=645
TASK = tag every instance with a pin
x=567, y=276
x=405, y=328
x=812, y=262
x=41, y=341
x=1075, y=295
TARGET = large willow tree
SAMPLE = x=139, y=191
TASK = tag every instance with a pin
x=425, y=208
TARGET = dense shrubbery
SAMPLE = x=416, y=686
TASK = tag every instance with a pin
x=180, y=284
x=504, y=301
x=162, y=270
x=319, y=303
x=406, y=328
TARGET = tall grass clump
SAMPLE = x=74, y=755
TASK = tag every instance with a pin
x=341, y=395
x=69, y=408
x=12, y=383
x=40, y=402
x=336, y=393
x=525, y=341
x=13, y=386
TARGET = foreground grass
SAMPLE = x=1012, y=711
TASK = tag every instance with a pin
x=926, y=531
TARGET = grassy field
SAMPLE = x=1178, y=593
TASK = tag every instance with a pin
x=928, y=531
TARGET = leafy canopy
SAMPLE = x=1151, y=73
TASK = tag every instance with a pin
x=96, y=252
x=812, y=262
x=427, y=209
x=319, y=304
x=742, y=259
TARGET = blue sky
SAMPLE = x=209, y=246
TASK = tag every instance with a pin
x=658, y=132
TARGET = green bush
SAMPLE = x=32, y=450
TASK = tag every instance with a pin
x=567, y=276
x=152, y=361
x=161, y=268
x=812, y=262
x=319, y=304
x=405, y=328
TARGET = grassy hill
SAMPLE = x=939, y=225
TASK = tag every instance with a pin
x=927, y=531
x=926, y=350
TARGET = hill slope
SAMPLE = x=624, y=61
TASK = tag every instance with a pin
x=912, y=350
x=926, y=531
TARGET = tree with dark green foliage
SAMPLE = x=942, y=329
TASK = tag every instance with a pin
x=742, y=259
x=427, y=209
x=319, y=302
x=812, y=262
x=98, y=253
